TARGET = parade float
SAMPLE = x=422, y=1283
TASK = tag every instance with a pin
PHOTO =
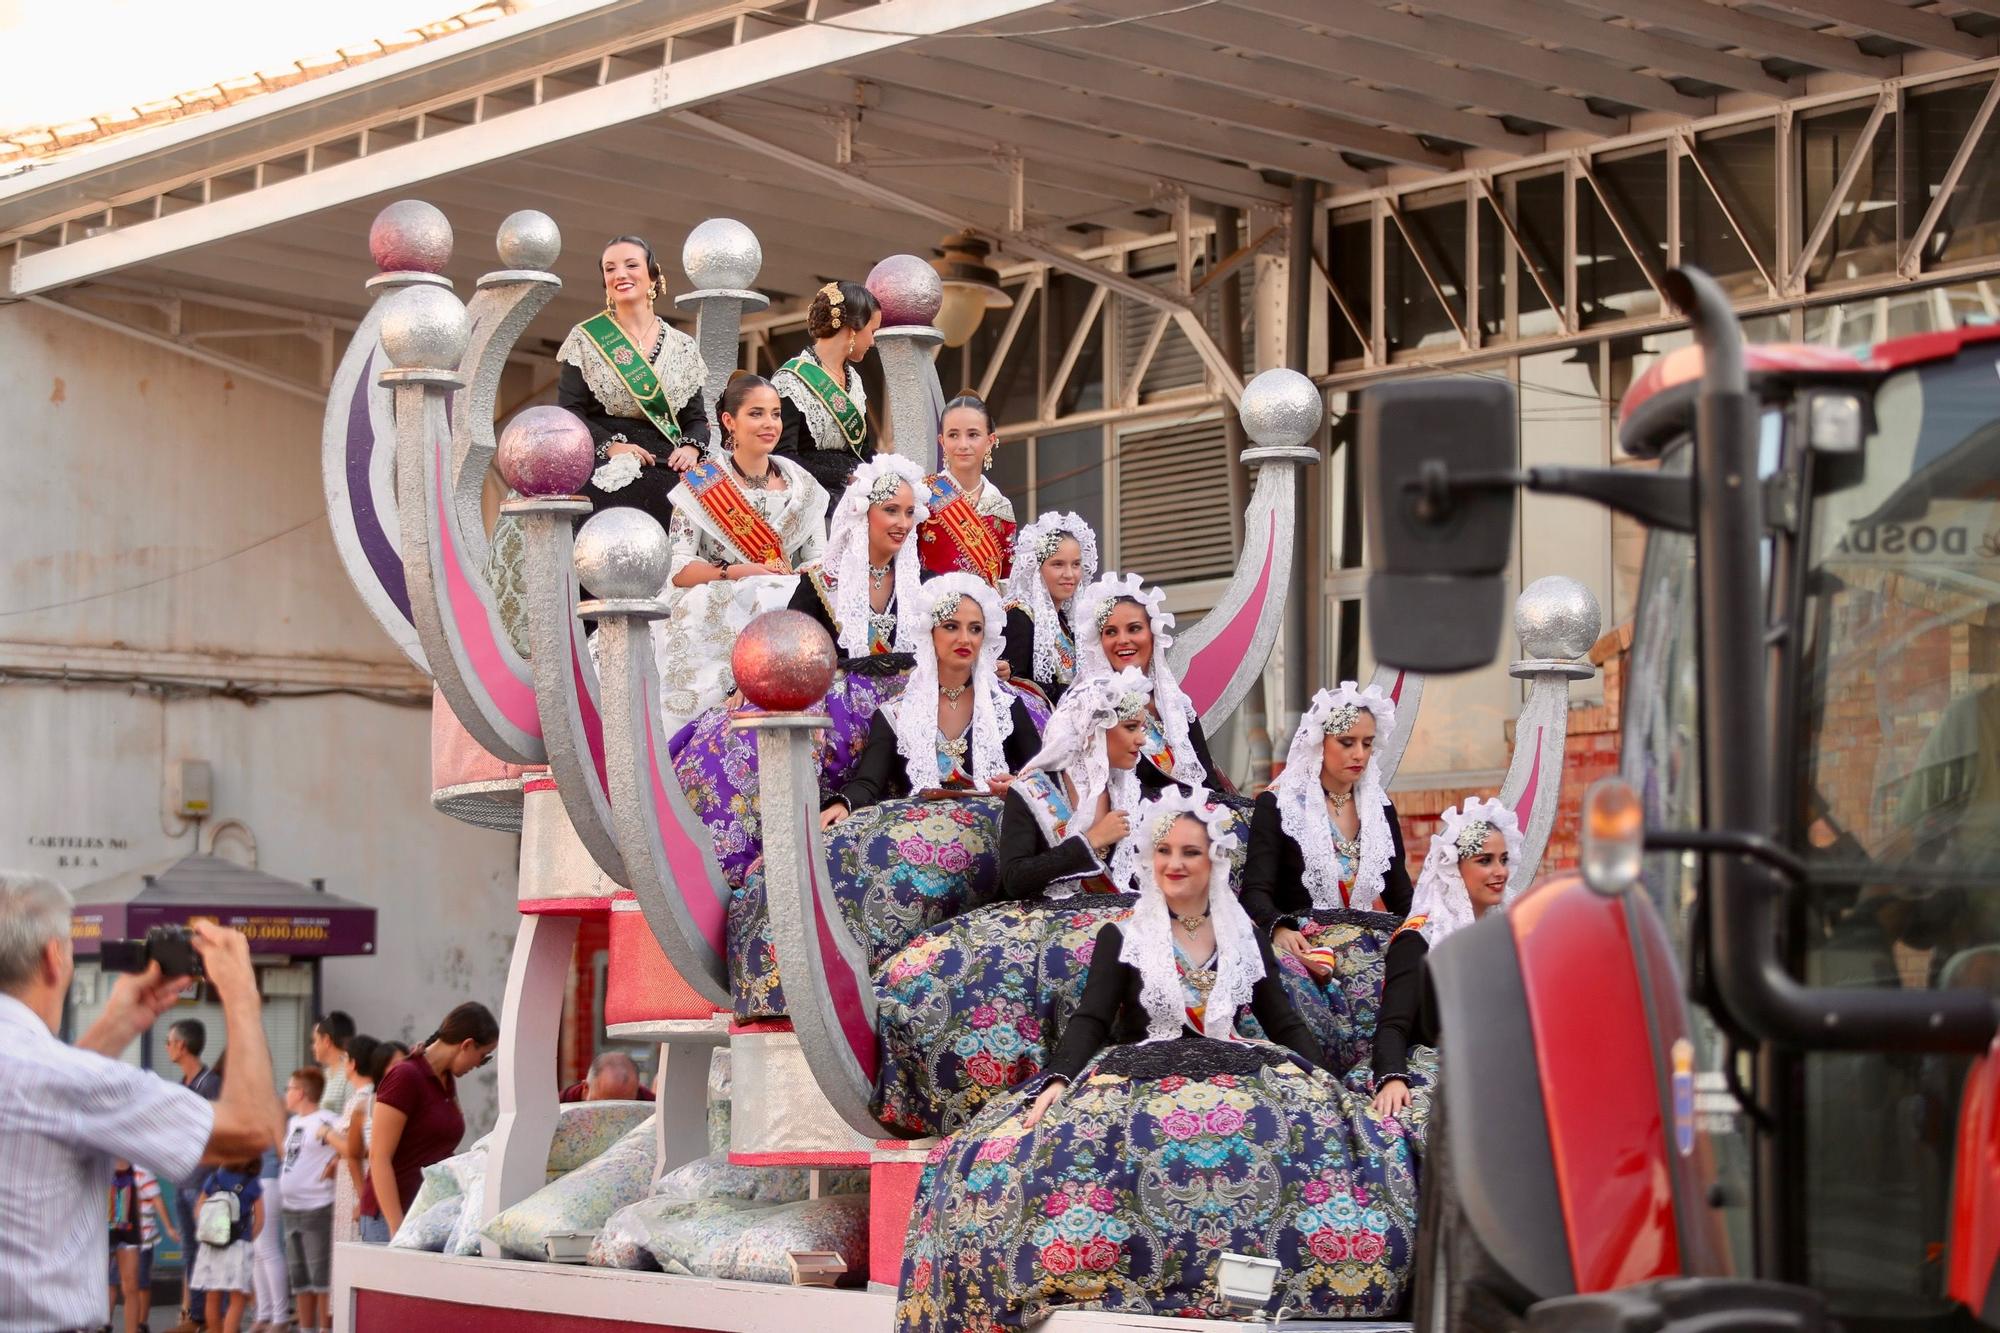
x=564, y=744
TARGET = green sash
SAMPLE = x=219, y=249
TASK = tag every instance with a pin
x=630, y=363
x=853, y=426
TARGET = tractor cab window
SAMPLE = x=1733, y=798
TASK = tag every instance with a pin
x=1899, y=814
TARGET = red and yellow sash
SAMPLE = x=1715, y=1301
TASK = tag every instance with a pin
x=957, y=537
x=733, y=514
x=1416, y=922
x=1154, y=748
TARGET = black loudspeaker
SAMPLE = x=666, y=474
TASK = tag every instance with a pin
x=1437, y=458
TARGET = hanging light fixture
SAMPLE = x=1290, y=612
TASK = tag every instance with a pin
x=971, y=287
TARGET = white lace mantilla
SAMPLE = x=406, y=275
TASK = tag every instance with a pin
x=1026, y=588
x=678, y=365
x=1302, y=800
x=914, y=713
x=846, y=558
x=1073, y=746
x=1170, y=703
x=1441, y=906
x=1149, y=936
x=825, y=431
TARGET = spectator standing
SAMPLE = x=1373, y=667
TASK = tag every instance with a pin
x=417, y=1121
x=270, y=1296
x=330, y=1037
x=306, y=1185
x=68, y=1112
x=186, y=1040
x=614, y=1077
x=137, y=1213
x=227, y=1218
x=349, y=1137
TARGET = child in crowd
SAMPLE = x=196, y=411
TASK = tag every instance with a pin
x=137, y=1213
x=228, y=1215
x=305, y=1184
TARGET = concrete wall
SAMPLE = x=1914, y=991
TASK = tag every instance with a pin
x=168, y=517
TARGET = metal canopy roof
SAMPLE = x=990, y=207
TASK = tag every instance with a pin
x=844, y=130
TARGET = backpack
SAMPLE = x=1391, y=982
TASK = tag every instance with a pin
x=221, y=1221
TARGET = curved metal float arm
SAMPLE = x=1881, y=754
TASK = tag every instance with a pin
x=475, y=666
x=1226, y=650
x=568, y=693
x=1557, y=619
x=829, y=992
x=1406, y=690
x=358, y=472
x=669, y=862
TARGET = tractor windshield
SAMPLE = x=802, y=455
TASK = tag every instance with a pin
x=1899, y=815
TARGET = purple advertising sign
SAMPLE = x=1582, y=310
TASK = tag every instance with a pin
x=300, y=933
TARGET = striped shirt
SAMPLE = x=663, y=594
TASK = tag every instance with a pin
x=65, y=1116
x=333, y=1097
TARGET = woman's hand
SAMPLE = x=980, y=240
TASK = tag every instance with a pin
x=999, y=783
x=1286, y=940
x=1050, y=1096
x=683, y=458
x=832, y=815
x=627, y=447
x=1392, y=1096
x=1004, y=670
x=1109, y=830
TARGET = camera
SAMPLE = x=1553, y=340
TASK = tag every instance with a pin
x=172, y=947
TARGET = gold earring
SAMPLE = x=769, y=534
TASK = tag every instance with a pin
x=609, y=308
x=850, y=347
x=986, y=465
x=653, y=290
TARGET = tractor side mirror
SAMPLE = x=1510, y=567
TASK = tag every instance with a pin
x=1438, y=458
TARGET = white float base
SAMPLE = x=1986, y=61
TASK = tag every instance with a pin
x=443, y=1295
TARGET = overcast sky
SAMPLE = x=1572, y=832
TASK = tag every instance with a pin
x=62, y=60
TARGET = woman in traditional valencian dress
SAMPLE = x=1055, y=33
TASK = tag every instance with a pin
x=971, y=527
x=636, y=383
x=742, y=523
x=1157, y=1140
x=955, y=726
x=1124, y=623
x=1464, y=877
x=1053, y=557
x=972, y=1008
x=826, y=408
x=1325, y=879
x=717, y=765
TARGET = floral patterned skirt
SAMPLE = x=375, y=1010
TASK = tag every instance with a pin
x=1163, y=1156
x=974, y=1007
x=899, y=868
x=717, y=764
x=1414, y=1122
x=1352, y=995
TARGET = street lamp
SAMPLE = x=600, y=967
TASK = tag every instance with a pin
x=971, y=287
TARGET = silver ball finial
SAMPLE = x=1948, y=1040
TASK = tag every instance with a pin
x=424, y=328
x=622, y=554
x=1282, y=408
x=410, y=236
x=528, y=240
x=909, y=290
x=722, y=254
x=1557, y=619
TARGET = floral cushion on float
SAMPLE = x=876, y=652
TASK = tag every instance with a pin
x=899, y=868
x=430, y=1229
x=625, y=1238
x=732, y=1240
x=584, y=1130
x=583, y=1199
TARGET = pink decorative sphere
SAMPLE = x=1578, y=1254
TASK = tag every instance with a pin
x=410, y=236
x=783, y=661
x=545, y=451
x=908, y=288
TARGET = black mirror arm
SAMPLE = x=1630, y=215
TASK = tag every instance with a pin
x=1753, y=845
x=1657, y=500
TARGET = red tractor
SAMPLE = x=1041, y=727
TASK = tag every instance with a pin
x=1737, y=1071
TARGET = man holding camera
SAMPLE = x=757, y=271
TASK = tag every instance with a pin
x=67, y=1112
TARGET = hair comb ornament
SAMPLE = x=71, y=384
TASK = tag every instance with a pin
x=835, y=298
x=1159, y=815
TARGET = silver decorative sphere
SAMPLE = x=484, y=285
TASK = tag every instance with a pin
x=908, y=289
x=424, y=328
x=1557, y=619
x=528, y=239
x=722, y=253
x=410, y=236
x=545, y=451
x=1282, y=407
x=621, y=554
